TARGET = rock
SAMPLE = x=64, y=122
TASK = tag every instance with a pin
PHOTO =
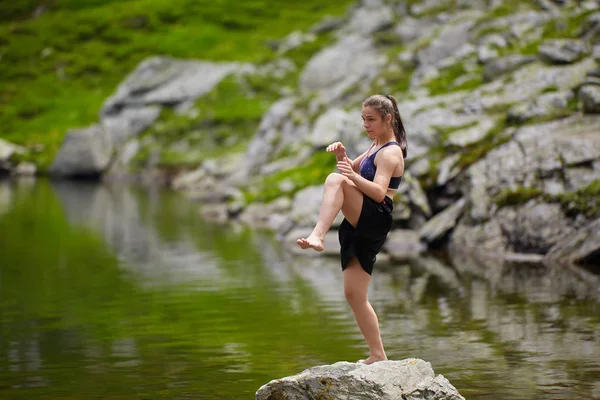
x=486, y=238
x=443, y=222
x=306, y=206
x=472, y=134
x=501, y=66
x=547, y=105
x=84, y=152
x=370, y=19
x=327, y=24
x=165, y=80
x=403, y=244
x=128, y=123
x=408, y=379
x=7, y=151
x=294, y=40
x=337, y=67
x=447, y=169
x=590, y=98
x=563, y=51
x=25, y=169
x=261, y=146
x=524, y=85
x=577, y=247
x=412, y=188
x=533, y=227
x=411, y=29
x=336, y=125
x=189, y=179
x=536, y=153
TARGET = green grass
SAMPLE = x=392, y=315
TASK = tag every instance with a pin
x=312, y=172
x=58, y=69
x=227, y=118
x=444, y=83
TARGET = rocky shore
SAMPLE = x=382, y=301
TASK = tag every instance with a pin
x=501, y=103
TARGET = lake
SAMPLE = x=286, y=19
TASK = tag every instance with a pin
x=112, y=291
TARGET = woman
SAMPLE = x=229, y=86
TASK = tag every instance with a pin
x=363, y=191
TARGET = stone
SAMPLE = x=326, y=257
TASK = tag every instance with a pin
x=403, y=244
x=536, y=151
x=338, y=64
x=84, y=152
x=546, y=105
x=335, y=125
x=533, y=227
x=164, y=80
x=306, y=206
x=576, y=247
x=563, y=51
x=129, y=122
x=442, y=223
x=500, y=66
x=367, y=20
x=408, y=379
x=590, y=98
x=25, y=169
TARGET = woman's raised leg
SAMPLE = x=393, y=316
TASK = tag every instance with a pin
x=339, y=193
x=356, y=285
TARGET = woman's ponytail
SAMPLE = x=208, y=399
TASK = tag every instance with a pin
x=398, y=126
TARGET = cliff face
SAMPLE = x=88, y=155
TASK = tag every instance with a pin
x=501, y=102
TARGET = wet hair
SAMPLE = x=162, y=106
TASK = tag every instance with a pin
x=386, y=105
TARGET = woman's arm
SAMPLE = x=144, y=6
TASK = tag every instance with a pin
x=387, y=160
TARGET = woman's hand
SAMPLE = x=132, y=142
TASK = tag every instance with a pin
x=345, y=168
x=338, y=149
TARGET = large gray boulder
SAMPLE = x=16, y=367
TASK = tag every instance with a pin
x=336, y=68
x=534, y=158
x=84, y=152
x=166, y=80
x=410, y=379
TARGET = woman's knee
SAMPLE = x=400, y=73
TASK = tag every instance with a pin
x=335, y=179
x=354, y=296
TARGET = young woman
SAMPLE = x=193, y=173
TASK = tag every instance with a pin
x=363, y=191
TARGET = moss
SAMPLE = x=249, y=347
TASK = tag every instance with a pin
x=444, y=131
x=312, y=172
x=387, y=38
x=515, y=196
x=585, y=200
x=508, y=7
x=566, y=25
x=474, y=152
x=444, y=83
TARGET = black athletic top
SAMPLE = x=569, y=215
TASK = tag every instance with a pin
x=368, y=168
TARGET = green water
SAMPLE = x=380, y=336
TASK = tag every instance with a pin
x=117, y=292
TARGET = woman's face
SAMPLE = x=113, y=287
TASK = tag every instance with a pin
x=373, y=123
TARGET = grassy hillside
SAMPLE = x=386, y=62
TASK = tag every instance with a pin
x=57, y=69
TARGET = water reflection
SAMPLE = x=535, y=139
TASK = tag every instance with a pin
x=115, y=291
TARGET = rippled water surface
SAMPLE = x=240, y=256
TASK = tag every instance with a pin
x=116, y=292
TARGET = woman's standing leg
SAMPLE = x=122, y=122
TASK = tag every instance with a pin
x=339, y=193
x=356, y=285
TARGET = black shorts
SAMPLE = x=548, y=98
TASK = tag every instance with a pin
x=365, y=241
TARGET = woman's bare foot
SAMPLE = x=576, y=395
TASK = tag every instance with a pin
x=312, y=242
x=372, y=360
